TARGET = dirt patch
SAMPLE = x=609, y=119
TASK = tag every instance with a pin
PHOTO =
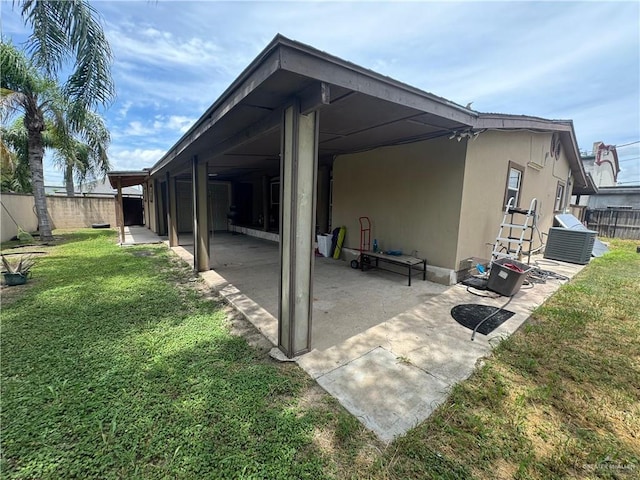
x=11, y=294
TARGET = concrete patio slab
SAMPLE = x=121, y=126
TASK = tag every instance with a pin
x=428, y=338
x=387, y=352
x=384, y=392
x=138, y=235
x=342, y=296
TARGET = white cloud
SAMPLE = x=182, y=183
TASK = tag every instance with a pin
x=164, y=49
x=136, y=129
x=124, y=109
x=165, y=126
x=180, y=123
x=134, y=159
x=177, y=123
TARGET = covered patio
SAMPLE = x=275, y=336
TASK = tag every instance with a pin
x=389, y=353
x=286, y=149
x=346, y=301
x=264, y=151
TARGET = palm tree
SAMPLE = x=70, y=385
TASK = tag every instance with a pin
x=63, y=31
x=78, y=136
x=15, y=175
x=24, y=87
x=81, y=154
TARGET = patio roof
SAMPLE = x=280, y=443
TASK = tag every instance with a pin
x=359, y=110
x=127, y=178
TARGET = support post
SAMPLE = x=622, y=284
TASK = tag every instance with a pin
x=172, y=212
x=200, y=215
x=120, y=211
x=266, y=202
x=161, y=217
x=298, y=167
x=145, y=205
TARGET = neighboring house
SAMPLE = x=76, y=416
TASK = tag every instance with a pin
x=303, y=141
x=603, y=167
x=616, y=197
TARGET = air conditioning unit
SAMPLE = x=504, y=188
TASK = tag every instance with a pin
x=571, y=246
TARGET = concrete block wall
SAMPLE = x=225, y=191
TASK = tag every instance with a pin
x=79, y=212
x=65, y=212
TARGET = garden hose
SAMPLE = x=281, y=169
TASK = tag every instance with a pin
x=473, y=335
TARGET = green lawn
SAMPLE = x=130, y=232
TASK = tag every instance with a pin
x=115, y=366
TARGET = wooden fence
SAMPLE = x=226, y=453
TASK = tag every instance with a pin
x=614, y=222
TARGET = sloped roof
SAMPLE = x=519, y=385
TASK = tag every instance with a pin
x=359, y=110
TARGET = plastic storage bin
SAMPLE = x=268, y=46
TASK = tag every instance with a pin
x=324, y=244
x=504, y=280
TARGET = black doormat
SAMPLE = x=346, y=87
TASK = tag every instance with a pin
x=470, y=314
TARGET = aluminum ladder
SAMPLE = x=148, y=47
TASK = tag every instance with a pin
x=511, y=235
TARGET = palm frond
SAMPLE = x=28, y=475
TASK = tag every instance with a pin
x=15, y=175
x=72, y=28
x=17, y=73
x=48, y=44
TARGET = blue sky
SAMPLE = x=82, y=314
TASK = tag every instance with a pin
x=558, y=60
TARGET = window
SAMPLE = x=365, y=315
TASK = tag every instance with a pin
x=514, y=184
x=559, y=205
x=275, y=193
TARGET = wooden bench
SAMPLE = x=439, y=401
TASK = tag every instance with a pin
x=401, y=260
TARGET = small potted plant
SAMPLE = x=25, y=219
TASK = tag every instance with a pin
x=16, y=273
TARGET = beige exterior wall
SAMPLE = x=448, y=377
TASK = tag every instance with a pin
x=485, y=180
x=79, y=212
x=412, y=194
x=20, y=207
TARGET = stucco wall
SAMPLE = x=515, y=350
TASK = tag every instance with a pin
x=64, y=212
x=412, y=194
x=485, y=179
x=20, y=207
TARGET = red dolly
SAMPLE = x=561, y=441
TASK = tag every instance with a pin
x=365, y=240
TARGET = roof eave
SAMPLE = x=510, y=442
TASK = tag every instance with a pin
x=127, y=178
x=494, y=121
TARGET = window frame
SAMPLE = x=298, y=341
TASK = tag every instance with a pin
x=558, y=204
x=520, y=169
